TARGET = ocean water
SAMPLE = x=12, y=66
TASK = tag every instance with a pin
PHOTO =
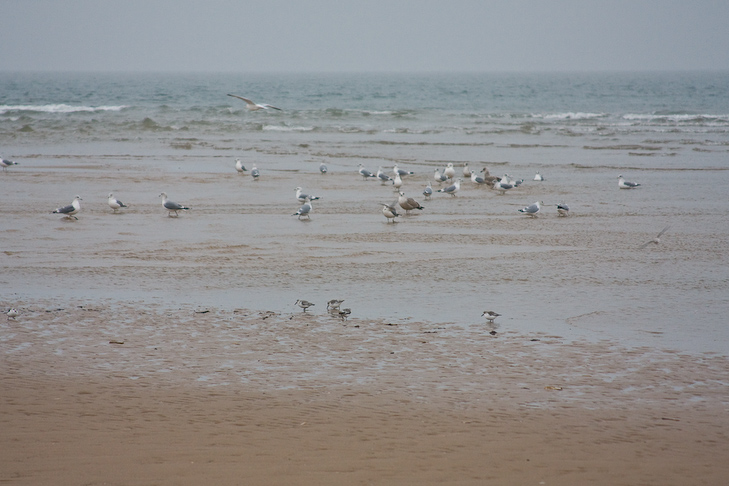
x=580, y=275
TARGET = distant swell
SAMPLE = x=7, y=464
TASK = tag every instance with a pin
x=57, y=108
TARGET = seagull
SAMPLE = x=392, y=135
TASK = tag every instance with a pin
x=255, y=106
x=334, y=304
x=408, y=203
x=239, y=166
x=5, y=163
x=71, y=209
x=655, y=240
x=428, y=191
x=344, y=313
x=439, y=177
x=114, y=203
x=402, y=172
x=563, y=209
x=477, y=179
x=532, y=209
x=449, y=171
x=452, y=190
x=623, y=184
x=304, y=304
x=255, y=173
x=323, y=168
x=304, y=210
x=303, y=197
x=490, y=316
x=539, y=177
x=390, y=212
x=502, y=186
x=466, y=170
x=488, y=177
x=397, y=181
x=12, y=314
x=364, y=172
x=171, y=206
x=382, y=176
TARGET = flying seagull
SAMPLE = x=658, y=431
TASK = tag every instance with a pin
x=71, y=209
x=655, y=240
x=255, y=106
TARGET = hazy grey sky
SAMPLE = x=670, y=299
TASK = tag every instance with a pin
x=374, y=35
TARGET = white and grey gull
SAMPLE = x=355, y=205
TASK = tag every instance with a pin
x=171, y=206
x=71, y=210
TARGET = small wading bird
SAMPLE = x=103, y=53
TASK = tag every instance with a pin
x=490, y=316
x=171, y=206
x=70, y=210
x=304, y=304
x=114, y=203
x=344, y=313
x=656, y=240
x=255, y=106
x=623, y=184
x=334, y=304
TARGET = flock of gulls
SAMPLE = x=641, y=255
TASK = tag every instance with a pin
x=446, y=176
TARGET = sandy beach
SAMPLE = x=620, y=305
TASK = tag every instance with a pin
x=158, y=350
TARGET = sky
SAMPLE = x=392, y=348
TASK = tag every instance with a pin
x=364, y=35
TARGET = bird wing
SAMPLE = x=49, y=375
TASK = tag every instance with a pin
x=241, y=98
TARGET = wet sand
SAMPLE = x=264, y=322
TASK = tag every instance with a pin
x=157, y=350
x=112, y=395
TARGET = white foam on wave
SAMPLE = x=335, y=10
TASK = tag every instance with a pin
x=574, y=116
x=278, y=128
x=677, y=118
x=58, y=108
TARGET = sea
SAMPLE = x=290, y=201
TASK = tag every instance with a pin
x=669, y=130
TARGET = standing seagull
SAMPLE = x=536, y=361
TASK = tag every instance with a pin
x=114, y=203
x=466, y=170
x=453, y=189
x=428, y=191
x=255, y=173
x=538, y=177
x=170, y=206
x=239, y=166
x=397, y=181
x=255, y=106
x=408, y=203
x=502, y=186
x=5, y=163
x=12, y=314
x=382, y=176
x=655, y=240
x=390, y=212
x=364, y=172
x=71, y=209
x=532, y=209
x=304, y=304
x=304, y=210
x=323, y=168
x=449, y=171
x=563, y=209
x=301, y=197
x=439, y=177
x=402, y=172
x=477, y=179
x=623, y=184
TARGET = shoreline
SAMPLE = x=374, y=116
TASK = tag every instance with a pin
x=256, y=398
